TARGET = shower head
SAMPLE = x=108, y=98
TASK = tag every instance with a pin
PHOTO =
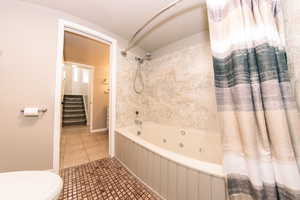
x=148, y=56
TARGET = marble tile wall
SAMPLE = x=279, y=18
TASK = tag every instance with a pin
x=179, y=89
x=127, y=100
x=292, y=25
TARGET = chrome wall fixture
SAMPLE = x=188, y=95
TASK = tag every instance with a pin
x=42, y=110
x=131, y=41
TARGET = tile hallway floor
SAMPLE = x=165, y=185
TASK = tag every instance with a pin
x=104, y=179
x=79, y=146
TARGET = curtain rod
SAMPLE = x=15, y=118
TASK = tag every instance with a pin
x=131, y=41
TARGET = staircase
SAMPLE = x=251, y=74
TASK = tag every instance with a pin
x=73, y=110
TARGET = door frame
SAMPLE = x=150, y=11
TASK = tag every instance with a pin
x=91, y=89
x=63, y=26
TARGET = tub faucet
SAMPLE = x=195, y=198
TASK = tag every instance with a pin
x=138, y=122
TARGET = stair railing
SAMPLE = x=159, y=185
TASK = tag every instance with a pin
x=85, y=99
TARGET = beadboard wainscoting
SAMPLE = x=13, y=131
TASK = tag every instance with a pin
x=170, y=180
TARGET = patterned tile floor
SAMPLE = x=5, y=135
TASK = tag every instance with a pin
x=104, y=179
x=79, y=146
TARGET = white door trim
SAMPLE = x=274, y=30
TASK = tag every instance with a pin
x=64, y=25
x=80, y=64
x=99, y=130
x=91, y=89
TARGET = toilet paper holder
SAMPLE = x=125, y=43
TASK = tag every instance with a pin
x=42, y=110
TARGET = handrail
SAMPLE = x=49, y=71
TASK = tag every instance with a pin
x=86, y=107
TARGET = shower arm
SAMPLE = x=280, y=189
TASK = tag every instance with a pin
x=131, y=41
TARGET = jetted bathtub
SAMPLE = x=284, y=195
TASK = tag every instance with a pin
x=177, y=164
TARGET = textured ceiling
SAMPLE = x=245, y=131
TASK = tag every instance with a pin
x=124, y=17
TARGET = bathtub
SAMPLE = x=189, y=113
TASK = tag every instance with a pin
x=177, y=164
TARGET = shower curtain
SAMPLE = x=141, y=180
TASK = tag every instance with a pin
x=259, y=118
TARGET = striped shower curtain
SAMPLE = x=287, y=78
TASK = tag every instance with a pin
x=259, y=117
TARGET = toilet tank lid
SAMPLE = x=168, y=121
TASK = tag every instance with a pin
x=33, y=185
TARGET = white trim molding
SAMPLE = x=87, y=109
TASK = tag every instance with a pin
x=63, y=26
x=52, y=171
x=99, y=130
x=80, y=65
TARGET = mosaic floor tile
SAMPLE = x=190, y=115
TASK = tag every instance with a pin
x=104, y=179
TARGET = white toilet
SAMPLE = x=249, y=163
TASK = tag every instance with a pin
x=30, y=185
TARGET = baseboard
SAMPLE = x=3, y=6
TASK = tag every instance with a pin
x=99, y=130
x=53, y=171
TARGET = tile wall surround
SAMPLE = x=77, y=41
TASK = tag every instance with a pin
x=292, y=26
x=127, y=100
x=179, y=88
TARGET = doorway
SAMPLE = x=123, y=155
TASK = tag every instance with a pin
x=77, y=94
x=78, y=143
x=83, y=135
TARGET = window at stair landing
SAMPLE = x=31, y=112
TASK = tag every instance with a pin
x=85, y=75
x=75, y=73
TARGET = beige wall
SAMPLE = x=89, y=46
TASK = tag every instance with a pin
x=28, y=39
x=100, y=98
x=83, y=50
